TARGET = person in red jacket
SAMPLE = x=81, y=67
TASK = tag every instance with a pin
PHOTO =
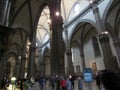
x=63, y=84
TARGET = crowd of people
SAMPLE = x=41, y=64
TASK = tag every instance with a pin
x=55, y=82
x=105, y=80
x=20, y=84
x=65, y=83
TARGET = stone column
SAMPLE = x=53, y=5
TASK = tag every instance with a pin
x=56, y=51
x=107, y=53
x=56, y=40
x=82, y=57
x=31, y=61
x=70, y=68
x=23, y=59
x=116, y=43
x=41, y=64
x=3, y=67
x=100, y=26
x=5, y=34
x=104, y=40
x=22, y=70
x=17, y=67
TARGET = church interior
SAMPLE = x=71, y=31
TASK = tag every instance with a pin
x=58, y=37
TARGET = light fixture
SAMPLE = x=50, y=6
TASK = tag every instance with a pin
x=13, y=79
x=36, y=44
x=19, y=57
x=104, y=32
x=91, y=1
x=57, y=13
x=29, y=43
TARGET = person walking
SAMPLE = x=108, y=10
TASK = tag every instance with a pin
x=68, y=84
x=80, y=83
x=63, y=84
x=42, y=83
x=53, y=83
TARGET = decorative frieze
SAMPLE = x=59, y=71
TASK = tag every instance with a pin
x=116, y=42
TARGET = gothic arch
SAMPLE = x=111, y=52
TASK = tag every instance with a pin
x=46, y=52
x=83, y=28
x=32, y=15
x=83, y=34
x=112, y=18
x=83, y=21
x=75, y=48
x=106, y=12
x=19, y=36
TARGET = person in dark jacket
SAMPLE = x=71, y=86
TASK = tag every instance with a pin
x=53, y=83
x=110, y=80
x=72, y=81
x=98, y=78
x=42, y=82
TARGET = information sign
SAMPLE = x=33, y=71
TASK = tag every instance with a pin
x=88, y=76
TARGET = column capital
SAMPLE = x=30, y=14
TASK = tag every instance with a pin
x=23, y=57
x=103, y=38
x=116, y=42
x=32, y=47
x=69, y=52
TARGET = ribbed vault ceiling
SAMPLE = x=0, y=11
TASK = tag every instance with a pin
x=31, y=13
x=43, y=31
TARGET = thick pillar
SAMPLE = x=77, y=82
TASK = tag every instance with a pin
x=31, y=61
x=104, y=40
x=22, y=70
x=82, y=57
x=70, y=68
x=17, y=67
x=116, y=43
x=5, y=34
x=3, y=67
x=57, y=51
x=56, y=43
x=107, y=53
x=100, y=27
x=41, y=64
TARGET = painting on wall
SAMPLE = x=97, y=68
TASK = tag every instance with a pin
x=94, y=66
